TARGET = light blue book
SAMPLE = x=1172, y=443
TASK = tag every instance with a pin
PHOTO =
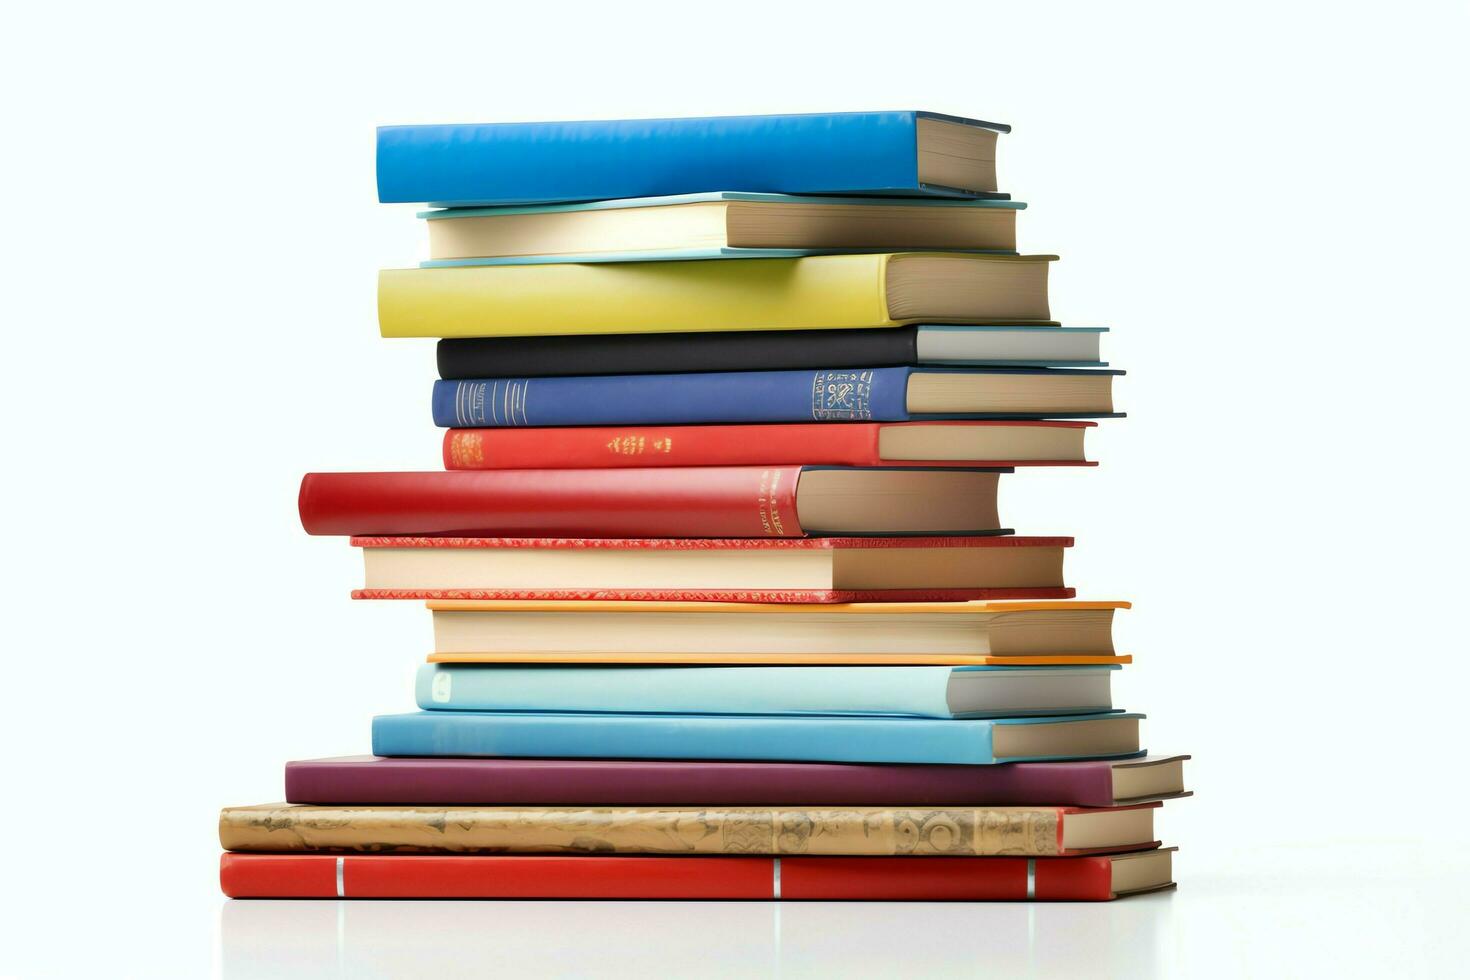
x=809, y=738
x=680, y=228
x=925, y=692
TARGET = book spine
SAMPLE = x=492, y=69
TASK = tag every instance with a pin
x=516, y=163
x=753, y=595
x=793, y=690
x=835, y=739
x=613, y=447
x=967, y=832
x=492, y=876
x=671, y=399
x=818, y=292
x=574, y=782
x=900, y=879
x=692, y=878
x=701, y=502
x=776, y=659
x=674, y=353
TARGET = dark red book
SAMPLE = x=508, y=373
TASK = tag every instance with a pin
x=367, y=781
x=915, y=444
x=891, y=879
x=693, y=502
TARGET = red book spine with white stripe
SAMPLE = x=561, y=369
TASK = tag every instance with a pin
x=923, y=879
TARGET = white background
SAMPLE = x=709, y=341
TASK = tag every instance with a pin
x=1265, y=201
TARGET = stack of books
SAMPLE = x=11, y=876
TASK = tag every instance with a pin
x=722, y=603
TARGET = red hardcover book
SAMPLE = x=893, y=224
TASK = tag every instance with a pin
x=1002, y=443
x=914, y=879
x=848, y=569
x=697, y=502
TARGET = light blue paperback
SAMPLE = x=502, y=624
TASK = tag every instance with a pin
x=920, y=691
x=809, y=738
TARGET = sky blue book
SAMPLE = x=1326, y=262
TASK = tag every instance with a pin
x=863, y=153
x=717, y=225
x=810, y=738
x=893, y=394
x=921, y=691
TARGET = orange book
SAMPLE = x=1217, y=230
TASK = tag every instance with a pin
x=633, y=632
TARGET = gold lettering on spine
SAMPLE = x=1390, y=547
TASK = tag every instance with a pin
x=760, y=502
x=775, y=502
x=768, y=504
x=630, y=445
x=466, y=450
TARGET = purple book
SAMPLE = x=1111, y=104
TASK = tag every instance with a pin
x=369, y=780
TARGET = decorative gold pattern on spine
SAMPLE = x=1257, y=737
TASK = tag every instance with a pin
x=849, y=830
x=466, y=450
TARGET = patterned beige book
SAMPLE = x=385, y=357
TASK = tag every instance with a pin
x=957, y=831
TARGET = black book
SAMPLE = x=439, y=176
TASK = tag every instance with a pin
x=766, y=350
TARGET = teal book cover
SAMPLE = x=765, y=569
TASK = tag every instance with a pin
x=919, y=691
x=813, y=738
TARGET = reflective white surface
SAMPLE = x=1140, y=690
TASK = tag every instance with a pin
x=343, y=938
x=1322, y=911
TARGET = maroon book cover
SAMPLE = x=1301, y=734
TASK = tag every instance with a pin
x=569, y=782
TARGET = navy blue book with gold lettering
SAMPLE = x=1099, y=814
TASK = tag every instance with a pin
x=892, y=394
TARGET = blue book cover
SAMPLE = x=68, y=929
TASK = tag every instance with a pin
x=919, y=691
x=813, y=738
x=872, y=394
x=515, y=163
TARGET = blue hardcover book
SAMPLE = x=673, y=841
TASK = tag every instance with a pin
x=810, y=738
x=884, y=153
x=894, y=394
x=921, y=691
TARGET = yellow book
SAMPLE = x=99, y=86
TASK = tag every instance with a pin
x=814, y=292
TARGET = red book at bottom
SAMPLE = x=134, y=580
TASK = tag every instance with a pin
x=893, y=879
